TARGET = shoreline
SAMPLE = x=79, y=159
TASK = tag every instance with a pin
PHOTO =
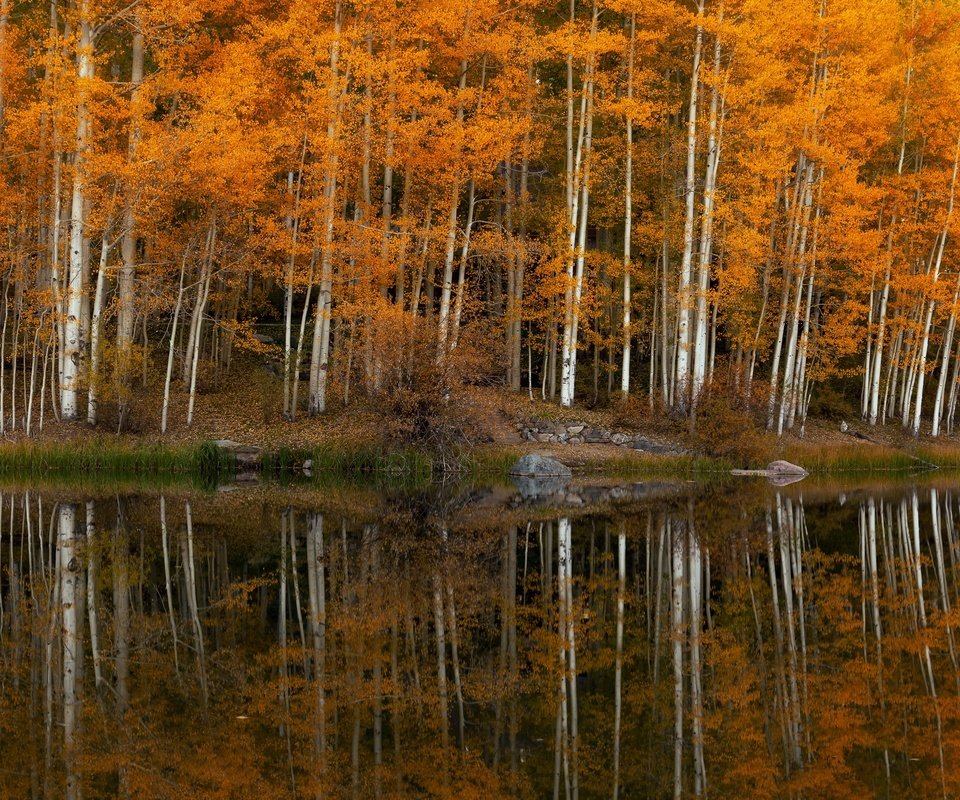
x=104, y=456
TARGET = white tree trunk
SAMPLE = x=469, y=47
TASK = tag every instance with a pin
x=618, y=671
x=171, y=349
x=947, y=349
x=676, y=638
x=925, y=341
x=874, y=404
x=446, y=288
x=628, y=230
x=320, y=354
x=578, y=189
x=69, y=578
x=681, y=393
x=700, y=351
x=126, y=313
x=461, y=275
x=73, y=346
x=96, y=325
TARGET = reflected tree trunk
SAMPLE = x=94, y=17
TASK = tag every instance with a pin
x=316, y=581
x=92, y=593
x=618, y=673
x=69, y=576
x=190, y=578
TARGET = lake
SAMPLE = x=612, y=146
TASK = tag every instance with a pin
x=597, y=640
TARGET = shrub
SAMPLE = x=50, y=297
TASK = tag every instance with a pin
x=421, y=398
x=732, y=426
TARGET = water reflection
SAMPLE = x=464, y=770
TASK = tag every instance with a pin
x=687, y=645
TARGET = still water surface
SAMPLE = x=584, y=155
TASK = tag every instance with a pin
x=638, y=641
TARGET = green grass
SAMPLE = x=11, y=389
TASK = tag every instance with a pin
x=489, y=462
x=106, y=461
x=103, y=461
x=354, y=460
x=104, y=455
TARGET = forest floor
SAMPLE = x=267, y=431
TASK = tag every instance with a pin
x=245, y=407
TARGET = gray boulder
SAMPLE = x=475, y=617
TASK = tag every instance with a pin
x=785, y=468
x=534, y=465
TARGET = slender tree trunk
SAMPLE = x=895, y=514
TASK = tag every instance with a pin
x=618, y=670
x=96, y=326
x=320, y=355
x=461, y=276
x=921, y=370
x=172, y=349
x=627, y=236
x=447, y=285
x=126, y=312
x=168, y=583
x=874, y=404
x=203, y=294
x=676, y=636
x=121, y=614
x=578, y=190
x=191, y=582
x=74, y=346
x=700, y=353
x=69, y=579
x=681, y=395
x=947, y=349
x=293, y=224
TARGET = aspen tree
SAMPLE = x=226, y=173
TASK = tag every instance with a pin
x=446, y=287
x=73, y=344
x=126, y=313
x=700, y=351
x=69, y=570
x=578, y=196
x=935, y=274
x=685, y=304
x=320, y=353
x=628, y=223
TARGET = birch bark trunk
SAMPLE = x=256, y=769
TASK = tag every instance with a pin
x=446, y=287
x=578, y=194
x=96, y=325
x=681, y=394
x=69, y=578
x=627, y=229
x=126, y=313
x=700, y=351
x=925, y=341
x=320, y=353
x=74, y=345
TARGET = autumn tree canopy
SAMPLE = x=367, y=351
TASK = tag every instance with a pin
x=680, y=194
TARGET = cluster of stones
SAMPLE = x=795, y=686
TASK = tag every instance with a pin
x=581, y=433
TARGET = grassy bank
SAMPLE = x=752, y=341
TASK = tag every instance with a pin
x=494, y=462
x=843, y=458
x=102, y=460
x=106, y=460
x=406, y=465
